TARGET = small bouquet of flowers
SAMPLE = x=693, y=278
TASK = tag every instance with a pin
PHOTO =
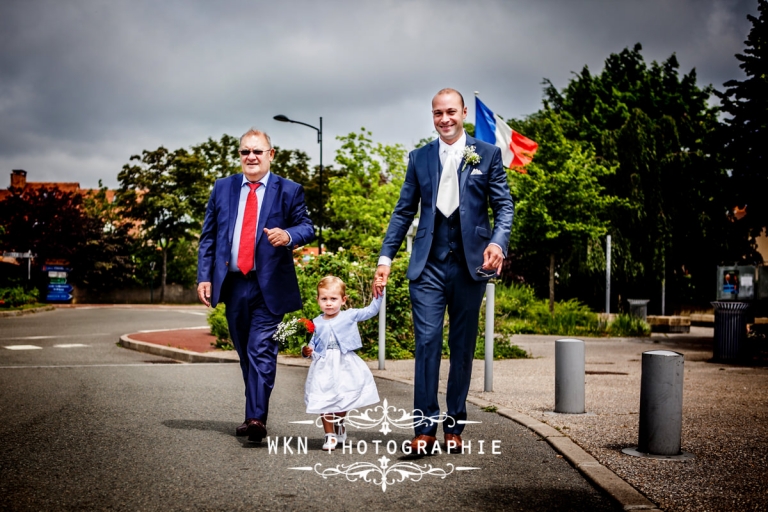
x=294, y=332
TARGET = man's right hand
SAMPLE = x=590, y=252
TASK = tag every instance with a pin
x=204, y=293
x=380, y=280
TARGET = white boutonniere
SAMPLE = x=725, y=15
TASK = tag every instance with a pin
x=470, y=157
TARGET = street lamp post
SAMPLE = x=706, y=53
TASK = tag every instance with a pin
x=284, y=119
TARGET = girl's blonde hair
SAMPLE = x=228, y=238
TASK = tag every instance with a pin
x=329, y=282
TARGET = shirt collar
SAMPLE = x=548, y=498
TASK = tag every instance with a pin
x=458, y=145
x=263, y=180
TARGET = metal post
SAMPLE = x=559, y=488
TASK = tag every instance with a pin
x=664, y=287
x=29, y=265
x=322, y=205
x=383, y=329
x=661, y=403
x=569, y=376
x=608, y=275
x=490, y=306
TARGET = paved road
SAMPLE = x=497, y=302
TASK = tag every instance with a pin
x=101, y=427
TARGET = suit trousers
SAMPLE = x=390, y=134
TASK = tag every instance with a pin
x=444, y=285
x=251, y=327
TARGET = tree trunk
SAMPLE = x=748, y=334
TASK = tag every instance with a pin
x=551, y=283
x=163, y=275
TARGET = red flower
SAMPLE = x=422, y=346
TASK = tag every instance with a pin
x=308, y=325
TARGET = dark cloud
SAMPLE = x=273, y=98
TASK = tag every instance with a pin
x=85, y=84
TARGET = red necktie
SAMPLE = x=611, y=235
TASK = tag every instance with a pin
x=248, y=233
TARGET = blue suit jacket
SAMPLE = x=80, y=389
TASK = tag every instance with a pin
x=480, y=186
x=283, y=207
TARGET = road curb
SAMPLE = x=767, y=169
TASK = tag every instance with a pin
x=601, y=477
x=178, y=354
x=30, y=311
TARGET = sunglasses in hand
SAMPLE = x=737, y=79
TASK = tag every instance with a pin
x=485, y=273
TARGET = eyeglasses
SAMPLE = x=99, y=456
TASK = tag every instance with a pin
x=257, y=152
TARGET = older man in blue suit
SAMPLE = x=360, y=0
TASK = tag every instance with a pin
x=252, y=222
x=455, y=251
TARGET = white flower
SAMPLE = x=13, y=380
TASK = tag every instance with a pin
x=470, y=157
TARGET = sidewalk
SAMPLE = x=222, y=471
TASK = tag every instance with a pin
x=725, y=414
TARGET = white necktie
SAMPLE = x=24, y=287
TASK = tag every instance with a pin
x=448, y=189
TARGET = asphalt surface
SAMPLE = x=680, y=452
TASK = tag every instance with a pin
x=100, y=427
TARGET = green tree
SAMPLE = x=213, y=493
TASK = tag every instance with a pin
x=746, y=101
x=219, y=157
x=163, y=195
x=364, y=193
x=660, y=129
x=560, y=206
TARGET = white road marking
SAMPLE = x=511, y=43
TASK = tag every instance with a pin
x=199, y=313
x=23, y=347
x=54, y=337
x=177, y=364
x=70, y=345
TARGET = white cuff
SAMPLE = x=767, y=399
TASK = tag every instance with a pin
x=497, y=245
x=384, y=260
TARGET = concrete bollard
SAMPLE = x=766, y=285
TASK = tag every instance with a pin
x=661, y=403
x=569, y=376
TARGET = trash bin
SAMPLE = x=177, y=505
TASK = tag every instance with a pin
x=639, y=308
x=730, y=330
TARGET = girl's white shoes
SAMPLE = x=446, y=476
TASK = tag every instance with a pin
x=341, y=432
x=330, y=442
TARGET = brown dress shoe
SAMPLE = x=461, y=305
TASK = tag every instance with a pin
x=242, y=430
x=423, y=444
x=256, y=430
x=452, y=443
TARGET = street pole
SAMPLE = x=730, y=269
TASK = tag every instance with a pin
x=151, y=282
x=285, y=119
x=607, y=275
x=320, y=224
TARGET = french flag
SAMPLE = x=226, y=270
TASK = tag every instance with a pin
x=516, y=149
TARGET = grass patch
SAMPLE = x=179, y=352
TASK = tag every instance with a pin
x=490, y=408
x=626, y=326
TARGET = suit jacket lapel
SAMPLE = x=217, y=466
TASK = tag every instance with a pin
x=234, y=199
x=463, y=174
x=433, y=167
x=269, y=198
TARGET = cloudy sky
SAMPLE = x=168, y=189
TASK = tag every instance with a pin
x=84, y=84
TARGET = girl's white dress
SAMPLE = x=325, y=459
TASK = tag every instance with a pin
x=338, y=382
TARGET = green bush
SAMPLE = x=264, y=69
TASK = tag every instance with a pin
x=626, y=326
x=518, y=311
x=219, y=328
x=17, y=297
x=502, y=349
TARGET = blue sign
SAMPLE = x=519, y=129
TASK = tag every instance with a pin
x=59, y=288
x=58, y=296
x=57, y=268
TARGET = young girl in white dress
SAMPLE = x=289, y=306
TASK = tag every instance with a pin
x=338, y=380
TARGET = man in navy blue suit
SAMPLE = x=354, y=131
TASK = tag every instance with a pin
x=252, y=222
x=455, y=251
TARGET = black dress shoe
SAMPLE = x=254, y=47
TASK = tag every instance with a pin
x=256, y=431
x=242, y=430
